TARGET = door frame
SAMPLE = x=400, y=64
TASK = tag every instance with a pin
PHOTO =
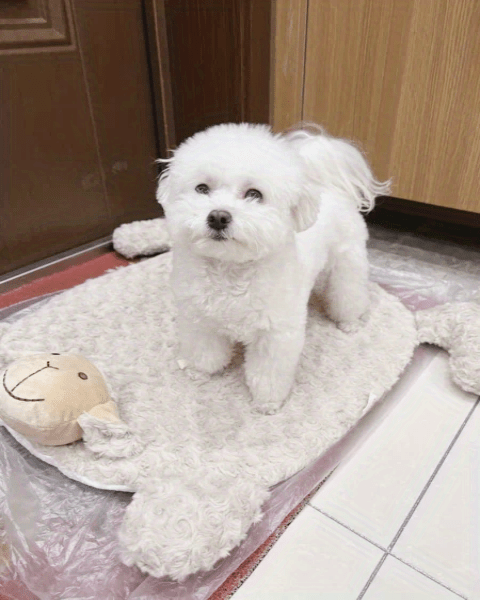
x=256, y=43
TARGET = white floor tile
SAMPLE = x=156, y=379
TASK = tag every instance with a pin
x=443, y=536
x=396, y=581
x=315, y=558
x=375, y=489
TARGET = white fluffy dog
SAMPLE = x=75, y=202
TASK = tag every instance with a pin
x=257, y=220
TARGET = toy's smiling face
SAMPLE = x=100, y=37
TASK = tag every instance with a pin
x=49, y=391
x=53, y=379
x=22, y=389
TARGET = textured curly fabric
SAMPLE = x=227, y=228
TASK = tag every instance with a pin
x=141, y=238
x=199, y=458
x=455, y=327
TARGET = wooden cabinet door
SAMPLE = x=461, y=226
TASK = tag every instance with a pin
x=400, y=76
x=77, y=141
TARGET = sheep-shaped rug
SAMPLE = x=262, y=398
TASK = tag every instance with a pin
x=198, y=457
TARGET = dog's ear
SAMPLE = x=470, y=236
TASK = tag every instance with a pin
x=336, y=164
x=163, y=188
x=305, y=212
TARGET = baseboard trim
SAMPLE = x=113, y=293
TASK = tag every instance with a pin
x=55, y=263
x=429, y=211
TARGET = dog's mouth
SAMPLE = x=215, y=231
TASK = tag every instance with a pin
x=218, y=236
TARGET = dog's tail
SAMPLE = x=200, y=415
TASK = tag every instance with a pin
x=337, y=164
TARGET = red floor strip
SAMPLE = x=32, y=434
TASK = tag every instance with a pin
x=62, y=280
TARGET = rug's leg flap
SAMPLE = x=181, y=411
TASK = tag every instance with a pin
x=456, y=328
x=109, y=438
x=434, y=325
x=175, y=528
x=141, y=238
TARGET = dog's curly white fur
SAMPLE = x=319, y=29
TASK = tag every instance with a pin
x=257, y=220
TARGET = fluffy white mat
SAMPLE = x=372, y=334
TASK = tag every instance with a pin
x=200, y=460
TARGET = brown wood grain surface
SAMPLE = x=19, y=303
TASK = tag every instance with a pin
x=401, y=78
x=78, y=142
x=289, y=38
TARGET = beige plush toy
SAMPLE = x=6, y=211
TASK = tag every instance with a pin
x=42, y=397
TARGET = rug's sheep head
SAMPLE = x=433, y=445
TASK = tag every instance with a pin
x=56, y=399
x=43, y=396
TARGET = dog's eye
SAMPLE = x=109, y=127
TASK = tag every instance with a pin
x=253, y=194
x=202, y=188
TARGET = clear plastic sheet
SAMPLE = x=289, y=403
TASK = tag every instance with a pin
x=424, y=272
x=59, y=536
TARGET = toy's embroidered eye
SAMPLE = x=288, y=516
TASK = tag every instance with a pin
x=82, y=375
x=202, y=188
x=55, y=353
x=253, y=194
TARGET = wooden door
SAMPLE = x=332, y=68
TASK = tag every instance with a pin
x=78, y=139
x=219, y=62
x=400, y=76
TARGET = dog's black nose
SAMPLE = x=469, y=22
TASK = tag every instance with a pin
x=219, y=219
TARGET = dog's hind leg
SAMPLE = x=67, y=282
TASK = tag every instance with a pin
x=346, y=288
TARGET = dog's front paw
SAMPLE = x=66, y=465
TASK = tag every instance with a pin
x=210, y=362
x=204, y=350
x=266, y=407
x=267, y=395
x=355, y=325
x=349, y=326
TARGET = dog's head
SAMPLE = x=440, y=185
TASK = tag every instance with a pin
x=235, y=193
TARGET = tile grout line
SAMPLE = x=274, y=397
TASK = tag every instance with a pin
x=425, y=574
x=381, y=561
x=384, y=557
x=348, y=528
x=386, y=554
x=388, y=550
x=372, y=576
x=432, y=477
